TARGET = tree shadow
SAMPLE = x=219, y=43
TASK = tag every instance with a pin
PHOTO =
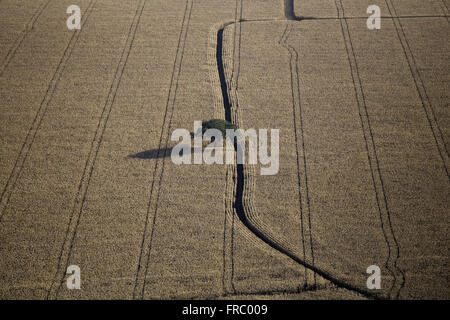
x=159, y=153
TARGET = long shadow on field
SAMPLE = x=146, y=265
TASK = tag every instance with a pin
x=158, y=153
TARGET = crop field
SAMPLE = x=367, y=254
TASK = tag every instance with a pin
x=87, y=176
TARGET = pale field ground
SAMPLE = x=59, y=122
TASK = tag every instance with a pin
x=76, y=105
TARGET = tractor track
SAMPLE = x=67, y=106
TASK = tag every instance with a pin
x=372, y=158
x=30, y=25
x=83, y=187
x=27, y=144
x=302, y=176
x=158, y=173
x=427, y=106
x=241, y=175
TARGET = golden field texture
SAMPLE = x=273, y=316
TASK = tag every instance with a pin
x=87, y=179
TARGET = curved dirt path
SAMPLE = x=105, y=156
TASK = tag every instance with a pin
x=243, y=182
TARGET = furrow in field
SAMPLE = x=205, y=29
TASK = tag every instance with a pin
x=244, y=195
x=29, y=192
x=18, y=42
x=77, y=210
x=24, y=84
x=383, y=209
x=108, y=241
x=15, y=16
x=221, y=106
x=438, y=135
x=302, y=177
x=229, y=73
x=155, y=190
x=245, y=182
x=347, y=275
x=193, y=227
x=410, y=163
x=191, y=197
x=250, y=217
x=228, y=70
x=37, y=121
x=424, y=43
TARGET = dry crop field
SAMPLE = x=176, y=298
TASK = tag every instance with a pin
x=86, y=177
